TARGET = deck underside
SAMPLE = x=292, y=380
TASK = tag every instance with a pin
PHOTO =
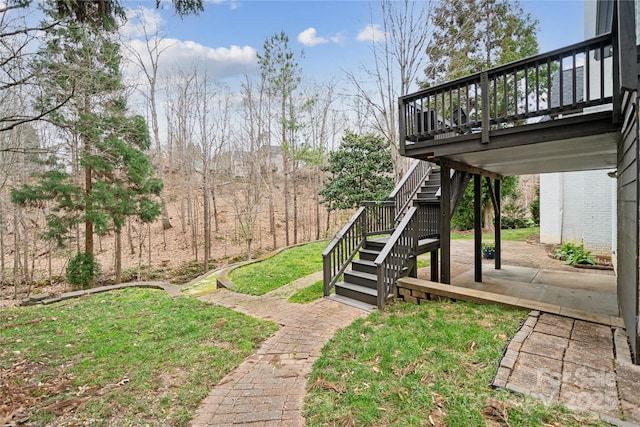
x=584, y=142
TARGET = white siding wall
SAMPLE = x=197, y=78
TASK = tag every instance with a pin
x=578, y=206
x=551, y=208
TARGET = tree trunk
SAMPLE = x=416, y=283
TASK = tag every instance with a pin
x=132, y=248
x=207, y=221
x=295, y=208
x=166, y=222
x=317, y=204
x=25, y=253
x=488, y=217
x=16, y=252
x=215, y=208
x=2, y=260
x=118, y=266
x=285, y=192
x=149, y=244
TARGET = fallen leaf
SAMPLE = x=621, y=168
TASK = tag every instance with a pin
x=496, y=410
x=326, y=385
x=219, y=324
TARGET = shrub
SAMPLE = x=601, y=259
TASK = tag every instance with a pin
x=573, y=253
x=534, y=207
x=81, y=269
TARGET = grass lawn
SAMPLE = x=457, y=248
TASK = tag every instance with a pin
x=430, y=364
x=128, y=357
x=518, y=234
x=291, y=264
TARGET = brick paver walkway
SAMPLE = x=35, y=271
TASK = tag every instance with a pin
x=580, y=364
x=268, y=388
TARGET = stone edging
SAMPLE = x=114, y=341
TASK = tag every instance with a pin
x=223, y=280
x=172, y=290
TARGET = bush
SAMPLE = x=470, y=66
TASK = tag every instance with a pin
x=81, y=269
x=510, y=222
x=572, y=253
x=534, y=207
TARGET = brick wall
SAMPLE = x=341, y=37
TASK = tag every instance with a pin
x=578, y=206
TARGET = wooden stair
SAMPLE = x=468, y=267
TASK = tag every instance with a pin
x=361, y=281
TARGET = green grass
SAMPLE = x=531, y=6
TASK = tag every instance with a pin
x=309, y=294
x=291, y=264
x=135, y=355
x=401, y=366
x=202, y=287
x=518, y=234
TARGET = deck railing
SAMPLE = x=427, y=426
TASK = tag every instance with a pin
x=564, y=81
x=410, y=184
x=392, y=262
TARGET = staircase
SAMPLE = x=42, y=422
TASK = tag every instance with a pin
x=382, y=240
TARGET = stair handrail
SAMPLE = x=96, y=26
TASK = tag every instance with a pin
x=343, y=249
x=393, y=260
x=380, y=217
x=409, y=185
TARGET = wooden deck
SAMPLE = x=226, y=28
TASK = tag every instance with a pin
x=417, y=291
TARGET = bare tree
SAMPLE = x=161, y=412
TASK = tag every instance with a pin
x=398, y=56
x=147, y=62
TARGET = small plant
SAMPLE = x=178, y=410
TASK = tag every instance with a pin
x=82, y=268
x=489, y=250
x=572, y=253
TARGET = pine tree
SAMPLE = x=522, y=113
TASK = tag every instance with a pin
x=473, y=35
x=470, y=36
x=102, y=177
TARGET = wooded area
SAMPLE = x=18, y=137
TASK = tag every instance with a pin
x=110, y=165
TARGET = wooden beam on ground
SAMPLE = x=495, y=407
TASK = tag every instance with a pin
x=452, y=164
x=477, y=227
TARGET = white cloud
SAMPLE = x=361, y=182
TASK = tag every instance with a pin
x=219, y=63
x=139, y=21
x=338, y=38
x=309, y=37
x=371, y=33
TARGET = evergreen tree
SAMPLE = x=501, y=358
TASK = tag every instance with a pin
x=470, y=36
x=360, y=170
x=473, y=35
x=103, y=177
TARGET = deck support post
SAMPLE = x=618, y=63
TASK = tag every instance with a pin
x=445, y=225
x=477, y=227
x=494, y=193
x=497, y=223
x=434, y=266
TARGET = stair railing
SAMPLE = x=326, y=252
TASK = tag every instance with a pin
x=393, y=262
x=406, y=189
x=372, y=218
x=380, y=217
x=428, y=218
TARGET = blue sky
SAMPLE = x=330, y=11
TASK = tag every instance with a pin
x=229, y=33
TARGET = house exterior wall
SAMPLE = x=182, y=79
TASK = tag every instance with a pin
x=580, y=207
x=628, y=190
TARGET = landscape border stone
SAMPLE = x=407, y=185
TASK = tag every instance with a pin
x=224, y=282
x=172, y=290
